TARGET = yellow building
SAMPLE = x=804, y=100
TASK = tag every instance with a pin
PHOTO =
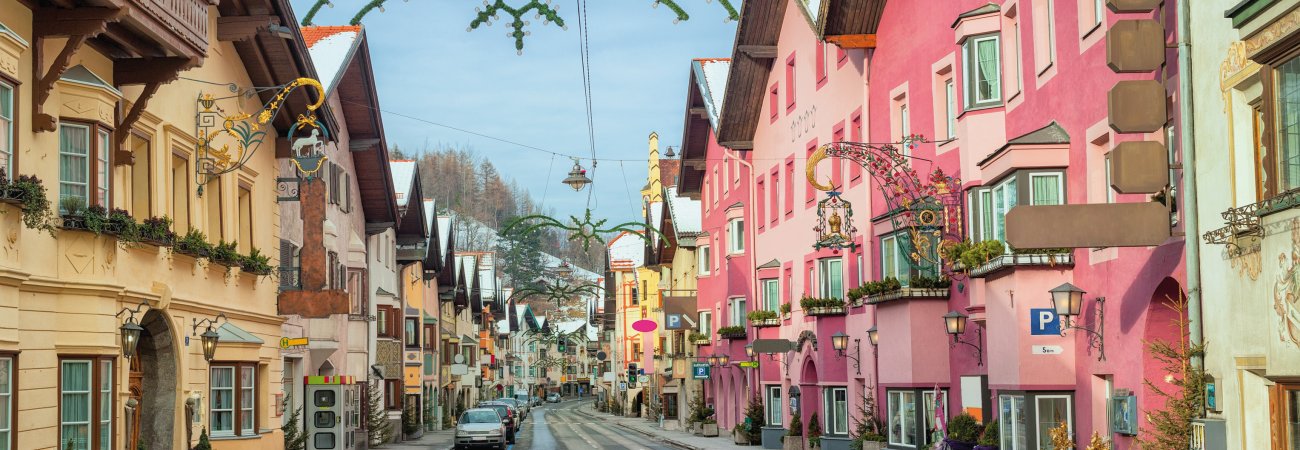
x=93, y=108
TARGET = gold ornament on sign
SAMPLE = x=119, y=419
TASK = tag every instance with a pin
x=247, y=133
x=811, y=170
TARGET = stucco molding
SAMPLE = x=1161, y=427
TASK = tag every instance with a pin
x=1274, y=32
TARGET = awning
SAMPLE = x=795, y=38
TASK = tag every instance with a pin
x=229, y=333
x=679, y=313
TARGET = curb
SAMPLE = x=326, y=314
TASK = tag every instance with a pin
x=671, y=442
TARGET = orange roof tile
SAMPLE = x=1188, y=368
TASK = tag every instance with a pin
x=313, y=34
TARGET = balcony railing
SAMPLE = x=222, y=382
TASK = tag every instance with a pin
x=907, y=293
x=1198, y=436
x=1017, y=260
x=290, y=279
x=188, y=19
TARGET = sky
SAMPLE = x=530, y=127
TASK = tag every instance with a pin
x=428, y=67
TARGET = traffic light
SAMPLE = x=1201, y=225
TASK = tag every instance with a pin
x=561, y=346
x=631, y=374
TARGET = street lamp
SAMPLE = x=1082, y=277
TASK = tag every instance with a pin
x=1067, y=300
x=131, y=330
x=749, y=349
x=873, y=336
x=577, y=178
x=209, y=337
x=713, y=360
x=840, y=342
x=956, y=324
x=724, y=360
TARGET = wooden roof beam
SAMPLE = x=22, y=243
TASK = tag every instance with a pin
x=758, y=51
x=847, y=41
x=243, y=28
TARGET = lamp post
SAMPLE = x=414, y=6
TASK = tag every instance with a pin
x=577, y=178
x=1067, y=300
x=956, y=324
x=209, y=338
x=840, y=342
x=131, y=330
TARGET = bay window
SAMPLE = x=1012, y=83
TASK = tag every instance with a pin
x=892, y=262
x=85, y=403
x=771, y=294
x=774, y=405
x=832, y=277
x=84, y=163
x=233, y=389
x=836, y=410
x=1047, y=188
x=983, y=75
x=989, y=205
x=1288, y=124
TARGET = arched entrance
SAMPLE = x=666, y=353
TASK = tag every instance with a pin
x=1163, y=317
x=153, y=385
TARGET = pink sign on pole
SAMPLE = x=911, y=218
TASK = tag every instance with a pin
x=644, y=325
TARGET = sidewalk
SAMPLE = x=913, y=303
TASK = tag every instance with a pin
x=676, y=438
x=432, y=440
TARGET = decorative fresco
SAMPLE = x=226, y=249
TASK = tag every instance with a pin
x=1286, y=288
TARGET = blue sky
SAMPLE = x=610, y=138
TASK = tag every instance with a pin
x=428, y=66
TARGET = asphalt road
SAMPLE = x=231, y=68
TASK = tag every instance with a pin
x=564, y=427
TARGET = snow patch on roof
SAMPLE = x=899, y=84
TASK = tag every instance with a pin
x=331, y=53
x=403, y=176
x=685, y=213
x=712, y=77
x=627, y=250
x=503, y=327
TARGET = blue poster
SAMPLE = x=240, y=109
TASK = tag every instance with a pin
x=1044, y=322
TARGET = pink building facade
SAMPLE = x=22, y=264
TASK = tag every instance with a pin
x=1013, y=99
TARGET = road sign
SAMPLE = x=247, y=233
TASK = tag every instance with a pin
x=601, y=355
x=1047, y=350
x=292, y=342
x=672, y=321
x=643, y=379
x=1043, y=322
x=700, y=371
x=622, y=385
x=748, y=364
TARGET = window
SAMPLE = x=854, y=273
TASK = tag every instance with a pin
x=85, y=403
x=212, y=192
x=141, y=177
x=245, y=219
x=705, y=260
x=532, y=371
x=1012, y=422
x=832, y=277
x=1288, y=125
x=774, y=100
x=412, y=332
x=983, y=71
x=789, y=187
x=821, y=63
x=706, y=323
x=1285, y=416
x=789, y=82
x=904, y=128
x=762, y=198
x=1051, y=411
x=180, y=194
x=381, y=322
x=738, y=315
x=76, y=176
x=836, y=410
x=776, y=195
x=931, y=399
x=393, y=394
x=7, y=378
x=993, y=205
x=736, y=236
x=902, y=418
x=1044, y=35
x=1016, y=59
x=1047, y=189
x=234, y=399
x=855, y=135
x=892, y=262
x=950, y=109
x=837, y=166
x=774, y=405
x=771, y=294
x=6, y=147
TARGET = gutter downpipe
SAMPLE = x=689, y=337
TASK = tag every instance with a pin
x=1191, y=230
x=753, y=261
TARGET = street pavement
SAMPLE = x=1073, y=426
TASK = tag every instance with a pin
x=570, y=425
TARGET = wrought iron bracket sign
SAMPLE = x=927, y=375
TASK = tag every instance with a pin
x=286, y=189
x=228, y=140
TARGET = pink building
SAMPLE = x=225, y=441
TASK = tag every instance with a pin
x=720, y=179
x=1014, y=96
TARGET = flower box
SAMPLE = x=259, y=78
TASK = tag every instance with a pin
x=702, y=342
x=11, y=195
x=825, y=311
x=732, y=334
x=908, y=293
x=185, y=249
x=762, y=323
x=1000, y=263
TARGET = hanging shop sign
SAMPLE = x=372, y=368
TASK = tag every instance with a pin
x=700, y=370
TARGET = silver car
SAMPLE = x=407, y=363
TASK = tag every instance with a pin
x=479, y=428
x=523, y=407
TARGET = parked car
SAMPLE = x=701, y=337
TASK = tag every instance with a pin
x=553, y=397
x=522, y=406
x=482, y=427
x=513, y=422
x=537, y=401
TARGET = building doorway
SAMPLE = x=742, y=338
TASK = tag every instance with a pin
x=153, y=387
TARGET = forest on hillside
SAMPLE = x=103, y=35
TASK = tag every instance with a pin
x=468, y=184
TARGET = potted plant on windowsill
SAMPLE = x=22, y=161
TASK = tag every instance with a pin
x=226, y=254
x=991, y=438
x=157, y=231
x=35, y=205
x=255, y=263
x=822, y=306
x=762, y=318
x=122, y=225
x=193, y=244
x=72, y=212
x=785, y=311
x=699, y=338
x=963, y=432
x=732, y=332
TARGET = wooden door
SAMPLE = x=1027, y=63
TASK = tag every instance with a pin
x=137, y=391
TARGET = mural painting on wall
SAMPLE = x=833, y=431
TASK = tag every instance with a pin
x=1286, y=288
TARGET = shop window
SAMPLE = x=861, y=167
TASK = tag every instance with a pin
x=245, y=219
x=902, y=418
x=1014, y=426
x=932, y=399
x=141, y=177
x=1050, y=412
x=6, y=134
x=771, y=294
x=836, y=410
x=774, y=405
x=86, y=403
x=983, y=71
x=84, y=163
x=212, y=194
x=832, y=278
x=705, y=260
x=736, y=236
x=1026, y=419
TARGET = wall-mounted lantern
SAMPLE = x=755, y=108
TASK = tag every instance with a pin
x=131, y=330
x=1067, y=300
x=956, y=324
x=840, y=342
x=209, y=338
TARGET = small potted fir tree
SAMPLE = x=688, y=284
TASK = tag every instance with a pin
x=963, y=432
x=991, y=438
x=794, y=437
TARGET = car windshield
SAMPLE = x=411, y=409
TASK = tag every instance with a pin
x=480, y=416
x=501, y=409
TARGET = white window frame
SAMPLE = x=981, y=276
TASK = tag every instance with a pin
x=774, y=413
x=970, y=60
x=927, y=404
x=1007, y=429
x=736, y=311
x=706, y=323
x=1038, y=414
x=1110, y=191
x=950, y=108
x=1098, y=12
x=1060, y=185
x=736, y=236
x=826, y=280
x=213, y=389
x=7, y=400
x=902, y=269
x=102, y=167
x=7, y=129
x=835, y=397
x=905, y=420
x=771, y=286
x=704, y=260
x=248, y=412
x=66, y=185
x=904, y=125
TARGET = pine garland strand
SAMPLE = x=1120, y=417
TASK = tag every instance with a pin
x=493, y=9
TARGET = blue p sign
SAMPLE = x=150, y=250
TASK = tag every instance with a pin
x=1044, y=322
x=674, y=321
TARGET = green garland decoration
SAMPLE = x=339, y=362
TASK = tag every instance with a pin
x=356, y=20
x=311, y=13
x=557, y=292
x=584, y=230
x=493, y=8
x=732, y=14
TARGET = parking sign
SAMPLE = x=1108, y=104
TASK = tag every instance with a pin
x=1044, y=322
x=700, y=371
